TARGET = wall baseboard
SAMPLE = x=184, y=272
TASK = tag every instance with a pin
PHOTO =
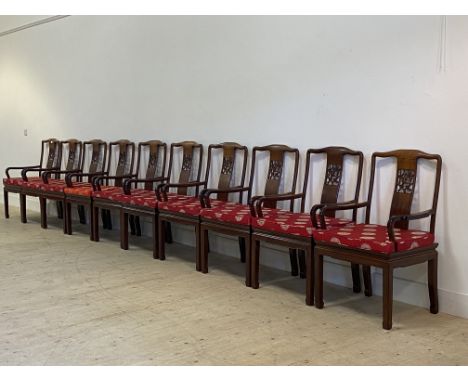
x=335, y=272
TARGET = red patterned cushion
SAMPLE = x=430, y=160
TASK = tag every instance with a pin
x=83, y=189
x=189, y=205
x=228, y=212
x=291, y=223
x=20, y=181
x=138, y=197
x=373, y=237
x=54, y=185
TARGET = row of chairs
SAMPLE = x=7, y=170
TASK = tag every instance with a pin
x=104, y=176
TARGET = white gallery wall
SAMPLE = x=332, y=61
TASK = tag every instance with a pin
x=368, y=83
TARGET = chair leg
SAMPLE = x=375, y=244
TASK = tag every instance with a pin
x=67, y=221
x=95, y=222
x=302, y=264
x=356, y=278
x=123, y=229
x=103, y=217
x=242, y=249
x=204, y=242
x=293, y=261
x=248, y=261
x=318, y=260
x=109, y=220
x=432, y=284
x=254, y=263
x=59, y=205
x=81, y=214
x=6, y=207
x=137, y=226
x=198, y=247
x=162, y=234
x=387, y=297
x=156, y=237
x=23, y=208
x=309, y=257
x=168, y=232
x=366, y=273
x=131, y=220
x=43, y=209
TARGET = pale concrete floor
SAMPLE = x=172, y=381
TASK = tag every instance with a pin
x=68, y=301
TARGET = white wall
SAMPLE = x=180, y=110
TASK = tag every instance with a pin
x=369, y=83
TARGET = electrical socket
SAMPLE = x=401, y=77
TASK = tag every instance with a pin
x=25, y=132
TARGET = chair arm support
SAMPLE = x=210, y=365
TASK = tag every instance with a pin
x=97, y=181
x=128, y=182
x=69, y=177
x=395, y=218
x=262, y=199
x=8, y=169
x=205, y=194
x=36, y=169
x=46, y=175
x=352, y=205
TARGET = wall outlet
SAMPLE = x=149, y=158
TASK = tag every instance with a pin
x=25, y=132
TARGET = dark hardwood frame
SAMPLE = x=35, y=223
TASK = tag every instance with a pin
x=243, y=232
x=52, y=151
x=399, y=216
x=188, y=149
x=230, y=150
x=335, y=157
x=125, y=160
x=155, y=150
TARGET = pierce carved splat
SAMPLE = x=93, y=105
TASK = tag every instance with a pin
x=228, y=166
x=405, y=181
x=333, y=174
x=275, y=169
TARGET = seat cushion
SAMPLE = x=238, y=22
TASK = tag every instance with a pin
x=20, y=182
x=54, y=185
x=138, y=197
x=228, y=212
x=292, y=223
x=189, y=205
x=371, y=237
x=84, y=189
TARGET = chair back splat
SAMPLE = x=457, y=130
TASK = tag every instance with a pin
x=125, y=160
x=335, y=156
x=52, y=149
x=405, y=182
x=75, y=152
x=156, y=153
x=96, y=150
x=275, y=170
x=230, y=150
x=188, y=154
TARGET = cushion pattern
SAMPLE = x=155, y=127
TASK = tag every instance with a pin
x=138, y=197
x=228, y=212
x=375, y=238
x=20, y=182
x=292, y=223
x=84, y=189
x=54, y=185
x=189, y=205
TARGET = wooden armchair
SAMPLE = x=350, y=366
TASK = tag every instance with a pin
x=186, y=209
x=234, y=218
x=387, y=247
x=144, y=202
x=51, y=156
x=296, y=229
x=121, y=151
x=153, y=153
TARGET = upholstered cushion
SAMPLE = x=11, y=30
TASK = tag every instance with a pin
x=372, y=237
x=138, y=197
x=20, y=181
x=291, y=223
x=228, y=212
x=189, y=205
x=83, y=189
x=54, y=185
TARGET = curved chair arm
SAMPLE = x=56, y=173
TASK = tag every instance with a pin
x=8, y=169
x=166, y=186
x=69, y=177
x=37, y=169
x=395, y=218
x=128, y=182
x=262, y=199
x=46, y=175
x=332, y=207
x=97, y=181
x=205, y=194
